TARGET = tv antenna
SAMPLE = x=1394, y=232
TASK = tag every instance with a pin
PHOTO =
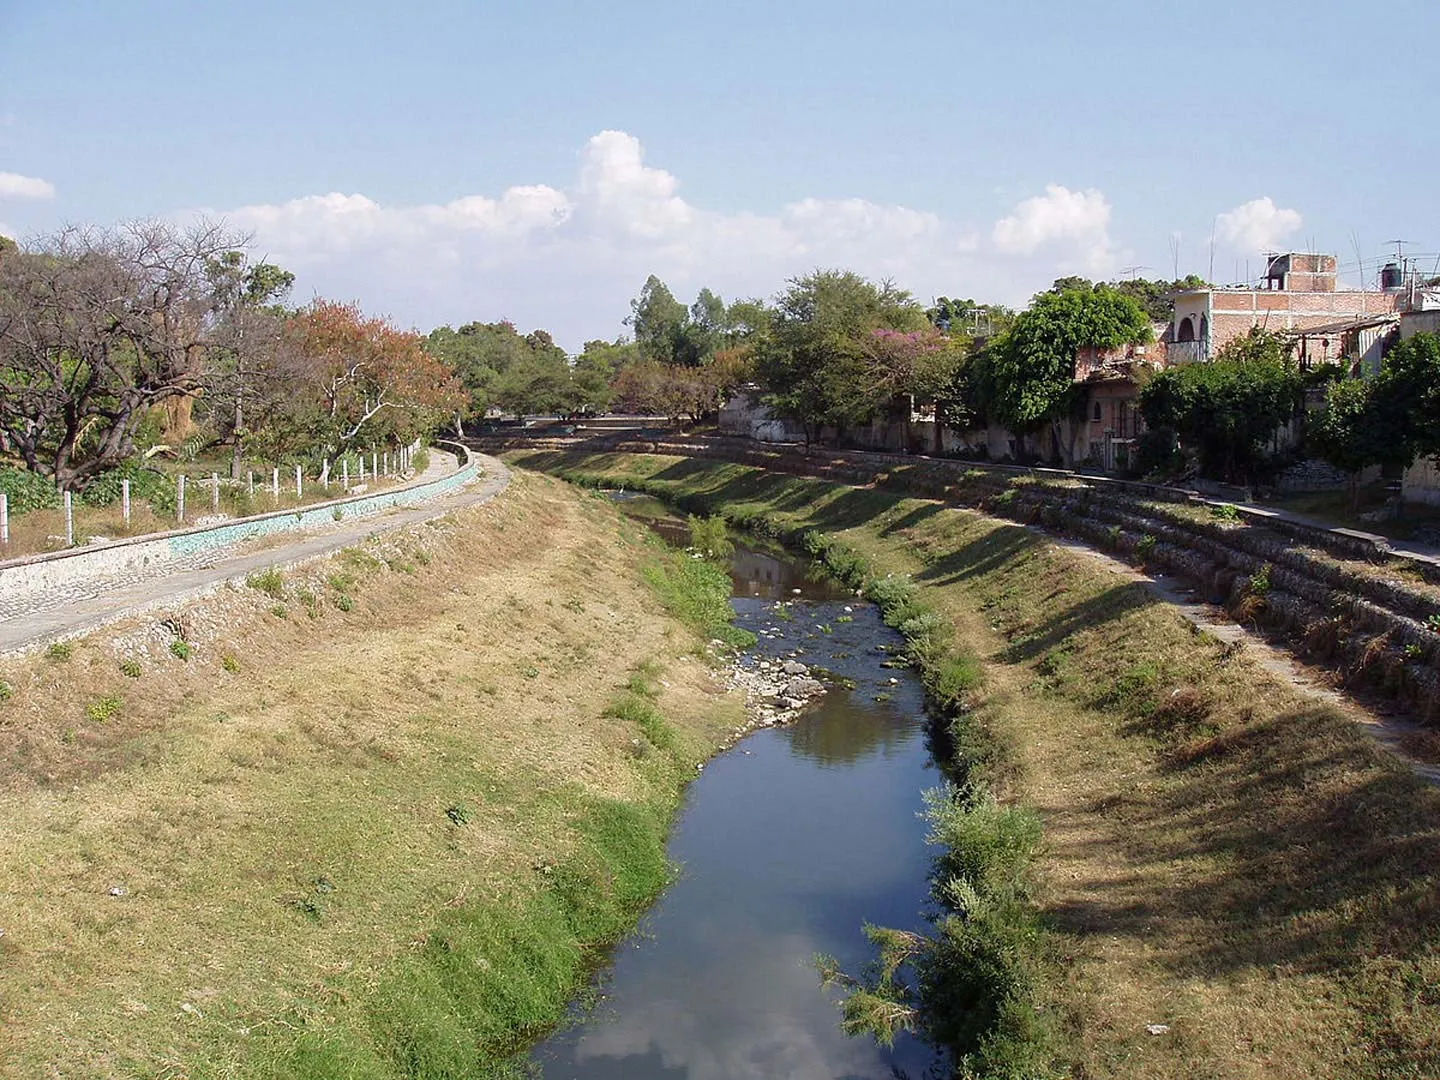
x=1133, y=270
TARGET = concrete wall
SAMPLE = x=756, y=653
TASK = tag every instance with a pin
x=38, y=573
x=1422, y=482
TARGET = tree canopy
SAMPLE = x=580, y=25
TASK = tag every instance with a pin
x=1027, y=374
x=1228, y=408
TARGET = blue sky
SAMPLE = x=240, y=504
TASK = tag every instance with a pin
x=537, y=160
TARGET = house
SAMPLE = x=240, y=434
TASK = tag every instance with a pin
x=1299, y=293
x=1112, y=380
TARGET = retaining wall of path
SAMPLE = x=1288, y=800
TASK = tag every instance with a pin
x=37, y=573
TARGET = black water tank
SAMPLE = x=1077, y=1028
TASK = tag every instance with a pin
x=1391, y=277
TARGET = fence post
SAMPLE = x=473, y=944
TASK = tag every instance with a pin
x=125, y=501
x=180, y=499
x=387, y=462
x=362, y=468
x=250, y=480
x=325, y=474
x=374, y=465
x=345, y=473
x=298, y=490
x=4, y=518
x=275, y=483
x=69, y=520
x=215, y=492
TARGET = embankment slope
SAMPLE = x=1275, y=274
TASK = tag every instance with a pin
x=1223, y=856
x=373, y=817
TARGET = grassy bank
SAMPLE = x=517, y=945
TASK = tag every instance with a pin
x=377, y=818
x=1222, y=856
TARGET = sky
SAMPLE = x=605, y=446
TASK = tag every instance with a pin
x=442, y=162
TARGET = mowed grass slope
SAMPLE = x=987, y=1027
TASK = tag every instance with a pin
x=1222, y=854
x=378, y=823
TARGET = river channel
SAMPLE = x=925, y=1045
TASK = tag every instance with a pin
x=788, y=844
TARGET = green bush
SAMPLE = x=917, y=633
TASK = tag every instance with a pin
x=60, y=651
x=6, y=691
x=131, y=669
x=229, y=663
x=271, y=582
x=106, y=708
x=28, y=491
x=181, y=650
x=711, y=537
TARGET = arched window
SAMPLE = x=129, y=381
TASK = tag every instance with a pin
x=1097, y=412
x=1187, y=329
x=1204, y=328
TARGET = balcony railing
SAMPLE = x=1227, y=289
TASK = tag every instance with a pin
x=1187, y=352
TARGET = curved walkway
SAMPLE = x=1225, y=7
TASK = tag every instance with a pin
x=79, y=608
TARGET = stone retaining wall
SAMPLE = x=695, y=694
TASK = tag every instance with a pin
x=38, y=573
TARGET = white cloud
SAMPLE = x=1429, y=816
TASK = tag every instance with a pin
x=1258, y=225
x=570, y=258
x=1061, y=220
x=15, y=186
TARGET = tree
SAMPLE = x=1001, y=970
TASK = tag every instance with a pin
x=1353, y=431
x=371, y=381
x=816, y=363
x=1029, y=372
x=96, y=327
x=1410, y=389
x=658, y=320
x=1228, y=408
x=241, y=364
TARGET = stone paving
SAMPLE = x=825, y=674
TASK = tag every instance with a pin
x=34, y=618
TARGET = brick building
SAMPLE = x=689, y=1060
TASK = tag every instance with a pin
x=1299, y=294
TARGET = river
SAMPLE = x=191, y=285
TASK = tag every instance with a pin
x=788, y=844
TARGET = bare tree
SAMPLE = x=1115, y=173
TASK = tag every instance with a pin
x=97, y=326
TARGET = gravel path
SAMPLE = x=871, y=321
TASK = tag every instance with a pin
x=36, y=618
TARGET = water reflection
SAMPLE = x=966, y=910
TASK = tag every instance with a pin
x=789, y=843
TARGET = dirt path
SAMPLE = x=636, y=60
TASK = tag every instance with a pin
x=1389, y=731
x=106, y=600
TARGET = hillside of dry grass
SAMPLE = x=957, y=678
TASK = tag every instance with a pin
x=374, y=817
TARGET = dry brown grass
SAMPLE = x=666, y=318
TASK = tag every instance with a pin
x=473, y=669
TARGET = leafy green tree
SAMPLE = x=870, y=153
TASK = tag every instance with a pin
x=1228, y=408
x=1353, y=431
x=1029, y=372
x=659, y=321
x=1410, y=389
x=815, y=364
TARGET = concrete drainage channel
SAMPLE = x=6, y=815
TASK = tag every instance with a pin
x=46, y=597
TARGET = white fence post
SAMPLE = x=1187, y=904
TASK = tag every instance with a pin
x=387, y=462
x=4, y=518
x=215, y=492
x=362, y=468
x=69, y=520
x=298, y=490
x=250, y=480
x=374, y=465
x=275, y=483
x=345, y=473
x=325, y=474
x=180, y=499
x=125, y=501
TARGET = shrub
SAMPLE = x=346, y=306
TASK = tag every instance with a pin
x=711, y=537
x=229, y=663
x=60, y=651
x=343, y=602
x=106, y=708
x=180, y=649
x=271, y=582
x=130, y=668
x=28, y=491
x=1145, y=545
x=6, y=691
x=1225, y=512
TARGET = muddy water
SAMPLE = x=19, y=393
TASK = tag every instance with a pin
x=788, y=844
